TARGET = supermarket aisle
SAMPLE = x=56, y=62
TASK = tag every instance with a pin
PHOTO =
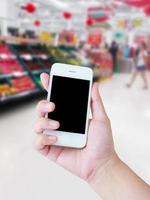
x=26, y=175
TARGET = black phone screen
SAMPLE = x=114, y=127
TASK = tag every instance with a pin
x=70, y=96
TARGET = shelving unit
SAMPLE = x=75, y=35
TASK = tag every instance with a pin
x=22, y=64
x=19, y=96
x=35, y=60
x=16, y=82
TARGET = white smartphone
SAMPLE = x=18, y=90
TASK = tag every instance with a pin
x=70, y=90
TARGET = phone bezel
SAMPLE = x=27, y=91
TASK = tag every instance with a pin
x=69, y=139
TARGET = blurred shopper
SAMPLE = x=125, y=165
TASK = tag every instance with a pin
x=114, y=52
x=126, y=51
x=140, y=66
x=148, y=59
x=132, y=57
x=132, y=52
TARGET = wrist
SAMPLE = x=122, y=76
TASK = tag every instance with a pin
x=115, y=180
x=102, y=173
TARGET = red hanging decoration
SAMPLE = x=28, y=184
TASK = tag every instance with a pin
x=37, y=23
x=137, y=3
x=89, y=22
x=147, y=10
x=30, y=8
x=67, y=15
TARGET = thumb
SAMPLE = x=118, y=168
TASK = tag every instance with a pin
x=97, y=107
x=45, y=80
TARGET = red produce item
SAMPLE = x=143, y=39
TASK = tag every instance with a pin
x=23, y=83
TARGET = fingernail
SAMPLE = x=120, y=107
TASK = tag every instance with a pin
x=50, y=106
x=54, y=123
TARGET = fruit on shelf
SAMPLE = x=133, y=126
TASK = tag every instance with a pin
x=22, y=49
x=8, y=66
x=23, y=83
x=33, y=64
x=74, y=61
x=5, y=50
x=64, y=56
x=58, y=54
x=6, y=90
x=46, y=63
x=30, y=50
x=38, y=64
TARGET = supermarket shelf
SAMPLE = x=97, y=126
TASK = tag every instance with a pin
x=7, y=56
x=16, y=74
x=40, y=71
x=19, y=95
x=32, y=56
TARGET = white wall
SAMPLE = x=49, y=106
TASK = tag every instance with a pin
x=3, y=8
x=3, y=16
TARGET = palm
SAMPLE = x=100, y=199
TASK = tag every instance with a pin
x=82, y=162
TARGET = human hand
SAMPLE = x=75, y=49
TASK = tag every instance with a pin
x=81, y=162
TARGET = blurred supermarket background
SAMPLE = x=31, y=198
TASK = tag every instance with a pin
x=107, y=36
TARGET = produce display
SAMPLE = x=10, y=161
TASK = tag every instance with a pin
x=46, y=63
x=14, y=86
x=7, y=90
x=21, y=49
x=8, y=62
x=63, y=56
x=68, y=37
x=33, y=64
x=5, y=50
x=104, y=62
x=24, y=63
x=37, y=64
x=10, y=66
x=38, y=50
x=13, y=80
x=23, y=84
x=57, y=54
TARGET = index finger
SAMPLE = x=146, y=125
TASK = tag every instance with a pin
x=45, y=107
